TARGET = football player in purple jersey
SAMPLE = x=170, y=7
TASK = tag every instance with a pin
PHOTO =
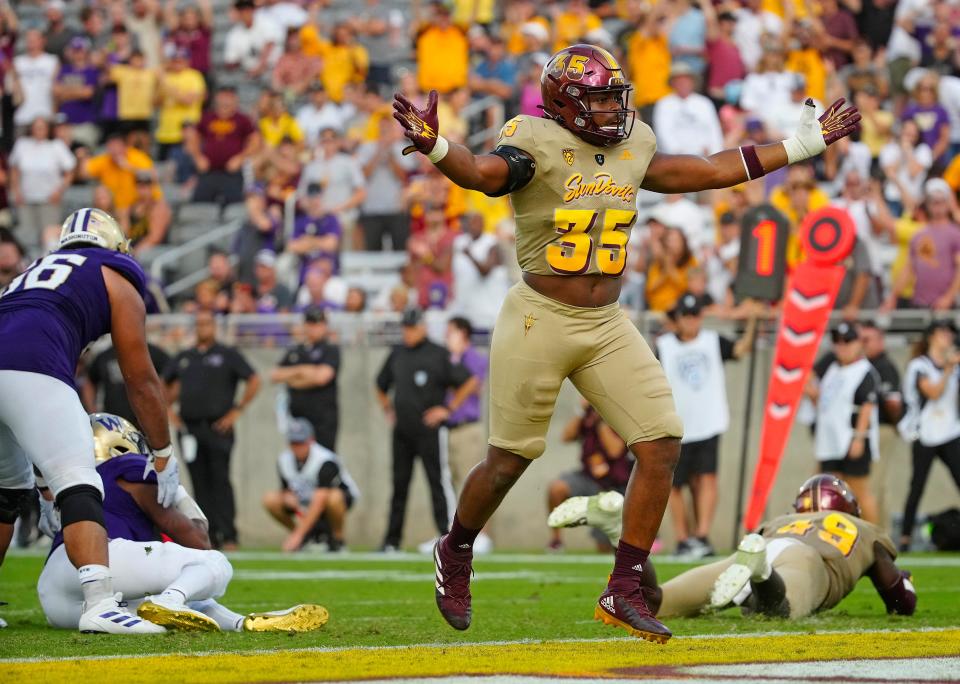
x=174, y=584
x=88, y=287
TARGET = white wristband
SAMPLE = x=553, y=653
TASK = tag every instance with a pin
x=165, y=452
x=439, y=150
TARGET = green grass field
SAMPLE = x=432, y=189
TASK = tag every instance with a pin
x=388, y=601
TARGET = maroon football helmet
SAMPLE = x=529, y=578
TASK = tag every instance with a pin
x=826, y=493
x=572, y=81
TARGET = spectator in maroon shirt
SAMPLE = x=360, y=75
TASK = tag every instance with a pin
x=220, y=144
x=840, y=33
x=190, y=28
x=724, y=63
x=934, y=259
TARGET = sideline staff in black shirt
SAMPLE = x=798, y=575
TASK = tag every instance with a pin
x=309, y=371
x=104, y=375
x=205, y=379
x=420, y=373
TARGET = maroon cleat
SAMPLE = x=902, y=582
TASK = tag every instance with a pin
x=627, y=608
x=453, y=584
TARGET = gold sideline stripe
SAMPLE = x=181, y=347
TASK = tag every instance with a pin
x=584, y=659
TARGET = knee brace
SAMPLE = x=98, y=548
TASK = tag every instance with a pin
x=80, y=503
x=14, y=503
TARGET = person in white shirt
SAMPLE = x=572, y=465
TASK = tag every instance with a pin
x=905, y=162
x=254, y=42
x=931, y=424
x=386, y=168
x=693, y=360
x=753, y=24
x=480, y=280
x=781, y=116
x=36, y=70
x=873, y=221
x=847, y=430
x=41, y=169
x=287, y=15
x=344, y=186
x=769, y=86
x=318, y=114
x=685, y=121
x=315, y=493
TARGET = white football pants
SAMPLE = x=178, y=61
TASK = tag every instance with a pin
x=43, y=423
x=139, y=569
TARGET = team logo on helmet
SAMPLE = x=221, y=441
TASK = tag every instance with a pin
x=584, y=90
x=115, y=436
x=93, y=227
x=826, y=493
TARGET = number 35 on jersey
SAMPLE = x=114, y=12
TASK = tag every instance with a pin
x=572, y=253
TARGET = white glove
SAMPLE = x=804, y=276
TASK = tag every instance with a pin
x=186, y=505
x=168, y=479
x=808, y=141
x=49, y=522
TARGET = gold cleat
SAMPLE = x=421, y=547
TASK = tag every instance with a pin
x=176, y=616
x=305, y=617
x=608, y=619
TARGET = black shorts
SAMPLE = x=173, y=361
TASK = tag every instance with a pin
x=854, y=467
x=696, y=458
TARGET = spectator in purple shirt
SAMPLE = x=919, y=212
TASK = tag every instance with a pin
x=75, y=90
x=931, y=117
x=934, y=260
x=467, y=438
x=316, y=234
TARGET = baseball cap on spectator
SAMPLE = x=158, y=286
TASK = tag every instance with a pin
x=662, y=214
x=144, y=177
x=937, y=186
x=411, y=317
x=845, y=332
x=727, y=218
x=688, y=305
x=443, y=6
x=56, y=6
x=753, y=125
x=534, y=29
x=266, y=257
x=678, y=69
x=913, y=77
x=79, y=43
x=314, y=314
x=244, y=4
x=601, y=37
x=727, y=16
x=314, y=189
x=299, y=430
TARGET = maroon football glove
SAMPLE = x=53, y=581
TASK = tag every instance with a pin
x=419, y=125
x=836, y=124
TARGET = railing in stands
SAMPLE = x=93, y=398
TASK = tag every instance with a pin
x=489, y=111
x=177, y=254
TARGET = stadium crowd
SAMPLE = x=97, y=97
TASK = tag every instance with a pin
x=278, y=113
x=283, y=109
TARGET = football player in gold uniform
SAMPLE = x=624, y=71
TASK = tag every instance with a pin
x=573, y=176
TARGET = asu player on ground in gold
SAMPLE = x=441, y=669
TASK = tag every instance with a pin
x=797, y=565
x=573, y=176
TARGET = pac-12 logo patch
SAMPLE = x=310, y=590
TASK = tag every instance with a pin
x=420, y=378
x=567, y=156
x=600, y=159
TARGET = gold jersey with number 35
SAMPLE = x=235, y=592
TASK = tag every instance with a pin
x=844, y=542
x=576, y=213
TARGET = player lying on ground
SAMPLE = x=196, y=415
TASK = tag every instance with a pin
x=88, y=287
x=794, y=566
x=573, y=176
x=172, y=584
